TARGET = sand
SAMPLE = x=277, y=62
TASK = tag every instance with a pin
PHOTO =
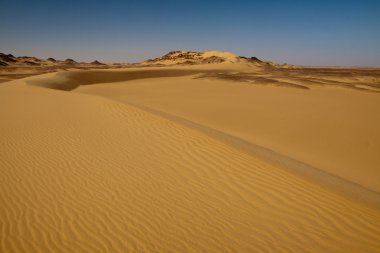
x=158, y=164
x=333, y=129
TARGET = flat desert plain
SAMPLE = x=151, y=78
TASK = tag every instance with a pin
x=221, y=157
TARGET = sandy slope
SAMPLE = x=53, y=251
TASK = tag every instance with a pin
x=81, y=173
x=332, y=128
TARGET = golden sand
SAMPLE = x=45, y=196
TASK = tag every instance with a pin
x=179, y=161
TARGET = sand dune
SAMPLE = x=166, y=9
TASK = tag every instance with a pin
x=332, y=127
x=82, y=173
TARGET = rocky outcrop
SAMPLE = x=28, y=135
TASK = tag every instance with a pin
x=207, y=57
x=193, y=58
x=8, y=60
x=251, y=59
x=31, y=63
x=97, y=63
x=70, y=61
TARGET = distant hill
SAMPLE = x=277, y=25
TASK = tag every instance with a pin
x=192, y=58
x=207, y=57
x=169, y=59
x=25, y=61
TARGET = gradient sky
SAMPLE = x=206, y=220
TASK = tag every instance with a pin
x=325, y=32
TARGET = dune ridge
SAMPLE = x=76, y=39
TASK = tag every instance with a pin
x=328, y=126
x=335, y=183
x=79, y=80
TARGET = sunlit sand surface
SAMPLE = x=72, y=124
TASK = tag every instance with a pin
x=224, y=157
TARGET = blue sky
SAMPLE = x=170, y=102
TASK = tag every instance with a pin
x=334, y=32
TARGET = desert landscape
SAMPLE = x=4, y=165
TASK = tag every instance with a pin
x=189, y=126
x=188, y=152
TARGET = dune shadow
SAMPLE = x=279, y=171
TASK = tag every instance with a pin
x=68, y=81
x=293, y=78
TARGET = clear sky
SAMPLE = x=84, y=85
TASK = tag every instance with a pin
x=324, y=32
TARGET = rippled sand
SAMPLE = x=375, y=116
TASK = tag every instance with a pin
x=186, y=160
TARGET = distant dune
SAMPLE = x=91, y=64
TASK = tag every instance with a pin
x=191, y=152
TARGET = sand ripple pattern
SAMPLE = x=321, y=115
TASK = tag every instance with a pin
x=85, y=174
